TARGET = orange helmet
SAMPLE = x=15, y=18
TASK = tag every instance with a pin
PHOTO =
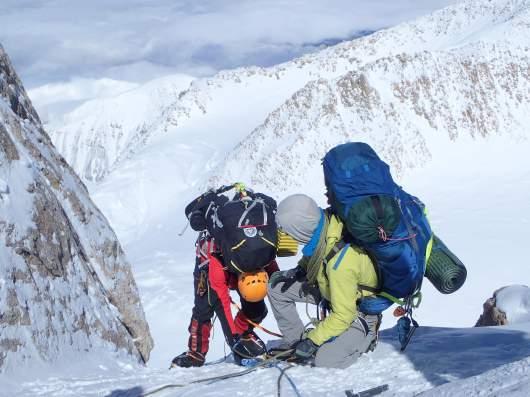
x=253, y=286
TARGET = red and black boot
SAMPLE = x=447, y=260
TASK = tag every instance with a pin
x=248, y=345
x=188, y=359
x=198, y=345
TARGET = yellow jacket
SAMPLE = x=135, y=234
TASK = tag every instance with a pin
x=338, y=283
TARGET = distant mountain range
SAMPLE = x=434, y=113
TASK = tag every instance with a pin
x=461, y=70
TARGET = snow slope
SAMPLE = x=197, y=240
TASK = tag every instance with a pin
x=396, y=104
x=490, y=361
x=396, y=88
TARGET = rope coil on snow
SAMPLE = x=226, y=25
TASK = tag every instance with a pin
x=221, y=377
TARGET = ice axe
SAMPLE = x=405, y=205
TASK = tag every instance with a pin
x=374, y=391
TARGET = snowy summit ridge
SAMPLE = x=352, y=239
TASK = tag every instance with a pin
x=345, y=88
x=65, y=285
x=472, y=83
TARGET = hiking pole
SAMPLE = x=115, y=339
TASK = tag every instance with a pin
x=374, y=391
x=185, y=228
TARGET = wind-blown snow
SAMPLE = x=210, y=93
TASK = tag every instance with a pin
x=515, y=302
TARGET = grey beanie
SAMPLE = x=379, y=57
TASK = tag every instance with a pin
x=298, y=215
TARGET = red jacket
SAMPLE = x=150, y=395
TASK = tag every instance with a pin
x=222, y=281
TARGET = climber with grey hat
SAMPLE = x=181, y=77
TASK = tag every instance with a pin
x=330, y=271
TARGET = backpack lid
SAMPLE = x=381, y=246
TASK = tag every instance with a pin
x=352, y=170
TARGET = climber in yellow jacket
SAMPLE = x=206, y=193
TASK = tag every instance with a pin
x=330, y=272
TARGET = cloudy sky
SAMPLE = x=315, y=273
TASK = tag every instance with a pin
x=63, y=41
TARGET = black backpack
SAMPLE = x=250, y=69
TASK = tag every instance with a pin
x=244, y=228
x=197, y=210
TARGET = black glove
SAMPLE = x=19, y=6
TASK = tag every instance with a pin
x=305, y=349
x=197, y=220
x=287, y=277
x=196, y=210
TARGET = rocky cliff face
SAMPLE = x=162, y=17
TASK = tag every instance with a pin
x=65, y=284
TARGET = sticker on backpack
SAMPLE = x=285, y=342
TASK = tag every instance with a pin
x=250, y=231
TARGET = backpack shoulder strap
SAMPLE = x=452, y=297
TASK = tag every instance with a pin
x=339, y=245
x=374, y=290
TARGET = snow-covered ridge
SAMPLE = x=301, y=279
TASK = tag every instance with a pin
x=100, y=133
x=241, y=99
x=65, y=284
x=395, y=104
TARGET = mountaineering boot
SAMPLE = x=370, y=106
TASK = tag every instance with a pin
x=248, y=345
x=188, y=359
x=280, y=348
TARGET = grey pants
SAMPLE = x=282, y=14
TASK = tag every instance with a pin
x=340, y=352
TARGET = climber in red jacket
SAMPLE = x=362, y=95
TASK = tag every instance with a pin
x=213, y=280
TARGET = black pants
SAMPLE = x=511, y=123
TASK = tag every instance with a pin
x=207, y=303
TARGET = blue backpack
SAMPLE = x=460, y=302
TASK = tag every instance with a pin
x=384, y=220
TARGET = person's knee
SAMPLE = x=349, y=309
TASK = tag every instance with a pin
x=274, y=292
x=335, y=359
x=276, y=295
x=202, y=313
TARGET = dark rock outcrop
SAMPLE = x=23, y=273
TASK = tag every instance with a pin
x=492, y=315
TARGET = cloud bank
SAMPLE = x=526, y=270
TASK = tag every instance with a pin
x=137, y=40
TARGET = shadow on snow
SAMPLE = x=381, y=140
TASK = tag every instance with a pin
x=442, y=355
x=136, y=391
